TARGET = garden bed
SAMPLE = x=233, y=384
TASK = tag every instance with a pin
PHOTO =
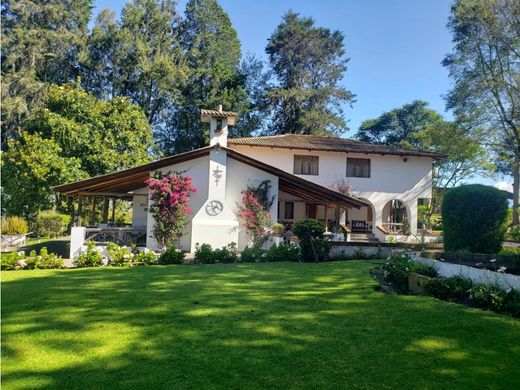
x=509, y=263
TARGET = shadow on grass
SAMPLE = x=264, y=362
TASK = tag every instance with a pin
x=276, y=325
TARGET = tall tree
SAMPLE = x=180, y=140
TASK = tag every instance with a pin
x=104, y=136
x=213, y=56
x=308, y=63
x=416, y=126
x=485, y=68
x=30, y=166
x=41, y=41
x=140, y=57
x=399, y=126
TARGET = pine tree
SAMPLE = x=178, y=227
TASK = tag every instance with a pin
x=213, y=56
x=308, y=63
x=41, y=42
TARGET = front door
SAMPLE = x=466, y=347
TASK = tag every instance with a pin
x=311, y=211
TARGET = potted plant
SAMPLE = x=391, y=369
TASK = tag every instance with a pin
x=278, y=229
x=14, y=230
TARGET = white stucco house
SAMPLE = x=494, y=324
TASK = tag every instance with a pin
x=384, y=186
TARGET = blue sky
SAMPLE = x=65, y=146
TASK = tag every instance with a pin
x=395, y=47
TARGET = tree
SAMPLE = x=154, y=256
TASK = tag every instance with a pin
x=485, y=68
x=103, y=136
x=30, y=166
x=399, y=126
x=41, y=42
x=140, y=57
x=308, y=62
x=213, y=56
x=466, y=157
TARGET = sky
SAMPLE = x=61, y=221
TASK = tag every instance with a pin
x=395, y=48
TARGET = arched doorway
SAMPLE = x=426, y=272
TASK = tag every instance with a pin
x=396, y=217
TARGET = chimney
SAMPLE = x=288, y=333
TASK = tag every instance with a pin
x=219, y=121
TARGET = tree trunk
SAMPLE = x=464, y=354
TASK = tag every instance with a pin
x=516, y=186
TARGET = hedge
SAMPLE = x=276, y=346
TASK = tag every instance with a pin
x=474, y=219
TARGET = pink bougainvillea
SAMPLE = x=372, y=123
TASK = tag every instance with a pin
x=170, y=195
x=254, y=216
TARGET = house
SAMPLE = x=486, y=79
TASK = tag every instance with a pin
x=305, y=173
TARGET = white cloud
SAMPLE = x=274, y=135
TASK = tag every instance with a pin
x=504, y=185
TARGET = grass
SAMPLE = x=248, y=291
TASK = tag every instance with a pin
x=278, y=325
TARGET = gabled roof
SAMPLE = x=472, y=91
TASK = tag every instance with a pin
x=329, y=144
x=132, y=179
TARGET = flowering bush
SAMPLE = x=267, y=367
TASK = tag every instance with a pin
x=170, y=194
x=119, y=255
x=399, y=265
x=254, y=216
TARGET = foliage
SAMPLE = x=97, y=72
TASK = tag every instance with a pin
x=105, y=136
x=308, y=63
x=252, y=254
x=514, y=232
x=10, y=260
x=399, y=126
x=484, y=66
x=399, y=265
x=30, y=166
x=254, y=211
x=212, y=52
x=44, y=260
x=206, y=254
x=170, y=194
x=283, y=252
x=463, y=290
x=51, y=224
x=310, y=233
x=14, y=225
x=147, y=257
x=41, y=42
x=455, y=288
x=510, y=250
x=90, y=258
x=414, y=125
x=172, y=255
x=119, y=255
x=474, y=219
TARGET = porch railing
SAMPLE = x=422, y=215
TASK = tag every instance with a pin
x=394, y=228
x=120, y=236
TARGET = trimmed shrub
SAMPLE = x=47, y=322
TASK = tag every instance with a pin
x=397, y=268
x=310, y=233
x=172, y=255
x=206, y=254
x=147, y=257
x=487, y=297
x=511, y=303
x=119, y=255
x=283, y=252
x=14, y=226
x=474, y=218
x=10, y=260
x=44, y=260
x=90, y=258
x=51, y=224
x=455, y=288
x=253, y=254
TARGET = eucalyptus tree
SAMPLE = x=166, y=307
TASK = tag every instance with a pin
x=308, y=64
x=485, y=69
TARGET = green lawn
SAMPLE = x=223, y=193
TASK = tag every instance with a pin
x=242, y=326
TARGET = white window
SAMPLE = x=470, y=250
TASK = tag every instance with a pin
x=358, y=167
x=306, y=165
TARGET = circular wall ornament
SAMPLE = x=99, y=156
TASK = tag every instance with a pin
x=214, y=208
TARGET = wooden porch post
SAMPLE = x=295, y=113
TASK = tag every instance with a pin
x=326, y=218
x=113, y=210
x=80, y=209
x=337, y=213
x=93, y=212
x=105, y=209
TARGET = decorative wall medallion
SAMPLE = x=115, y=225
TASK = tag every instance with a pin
x=217, y=174
x=214, y=207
